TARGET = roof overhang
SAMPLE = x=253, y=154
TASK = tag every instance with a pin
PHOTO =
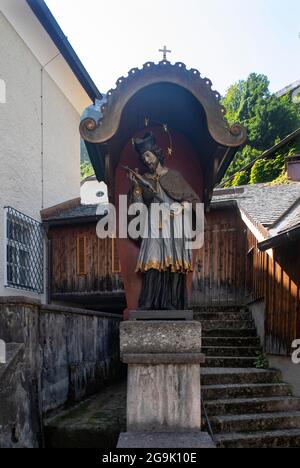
x=37, y=27
x=288, y=89
x=169, y=94
x=71, y=221
x=151, y=75
x=277, y=241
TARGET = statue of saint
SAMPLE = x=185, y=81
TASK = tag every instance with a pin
x=164, y=261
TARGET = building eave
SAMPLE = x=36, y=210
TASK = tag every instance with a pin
x=288, y=89
x=71, y=221
x=257, y=229
x=280, y=239
x=50, y=24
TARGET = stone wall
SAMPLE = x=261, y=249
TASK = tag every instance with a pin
x=67, y=355
x=290, y=372
x=257, y=309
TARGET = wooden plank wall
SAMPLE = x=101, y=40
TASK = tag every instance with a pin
x=97, y=277
x=277, y=281
x=219, y=276
x=229, y=261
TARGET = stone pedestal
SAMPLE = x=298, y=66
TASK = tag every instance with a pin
x=163, y=394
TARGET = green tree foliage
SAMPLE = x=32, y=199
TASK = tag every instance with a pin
x=267, y=170
x=84, y=155
x=241, y=178
x=267, y=118
x=294, y=147
x=86, y=170
x=242, y=158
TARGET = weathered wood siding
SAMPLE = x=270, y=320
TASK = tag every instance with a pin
x=277, y=281
x=219, y=276
x=87, y=271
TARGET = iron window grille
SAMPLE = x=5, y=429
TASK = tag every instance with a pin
x=24, y=252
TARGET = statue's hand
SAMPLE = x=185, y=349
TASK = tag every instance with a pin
x=132, y=177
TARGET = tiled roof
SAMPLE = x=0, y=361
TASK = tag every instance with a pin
x=288, y=89
x=263, y=203
x=292, y=220
x=82, y=211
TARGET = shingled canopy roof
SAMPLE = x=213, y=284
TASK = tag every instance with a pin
x=276, y=208
x=292, y=219
x=169, y=94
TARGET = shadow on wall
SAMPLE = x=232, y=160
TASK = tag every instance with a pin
x=66, y=355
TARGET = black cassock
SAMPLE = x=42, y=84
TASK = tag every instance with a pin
x=164, y=263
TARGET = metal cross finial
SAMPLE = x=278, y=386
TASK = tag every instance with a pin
x=165, y=51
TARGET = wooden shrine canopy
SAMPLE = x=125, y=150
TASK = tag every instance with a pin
x=166, y=94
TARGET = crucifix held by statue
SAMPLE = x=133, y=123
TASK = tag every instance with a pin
x=163, y=261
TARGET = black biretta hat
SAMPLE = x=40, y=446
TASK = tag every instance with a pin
x=147, y=143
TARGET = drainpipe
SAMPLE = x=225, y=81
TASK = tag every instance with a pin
x=42, y=123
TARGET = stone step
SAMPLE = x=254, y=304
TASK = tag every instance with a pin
x=221, y=376
x=214, y=392
x=256, y=422
x=199, y=316
x=247, y=407
x=227, y=324
x=219, y=308
x=230, y=332
x=289, y=438
x=252, y=405
x=230, y=341
x=217, y=361
x=231, y=351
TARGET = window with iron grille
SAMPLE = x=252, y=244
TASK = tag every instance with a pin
x=24, y=252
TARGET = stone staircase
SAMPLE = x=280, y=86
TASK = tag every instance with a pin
x=247, y=407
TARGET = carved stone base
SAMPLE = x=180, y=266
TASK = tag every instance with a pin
x=163, y=357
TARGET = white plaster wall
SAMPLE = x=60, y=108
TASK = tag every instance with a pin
x=61, y=147
x=89, y=192
x=25, y=183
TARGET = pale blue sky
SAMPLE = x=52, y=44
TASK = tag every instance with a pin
x=224, y=39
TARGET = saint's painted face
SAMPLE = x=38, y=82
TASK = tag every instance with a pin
x=150, y=160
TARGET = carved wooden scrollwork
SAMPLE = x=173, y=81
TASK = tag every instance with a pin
x=101, y=127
